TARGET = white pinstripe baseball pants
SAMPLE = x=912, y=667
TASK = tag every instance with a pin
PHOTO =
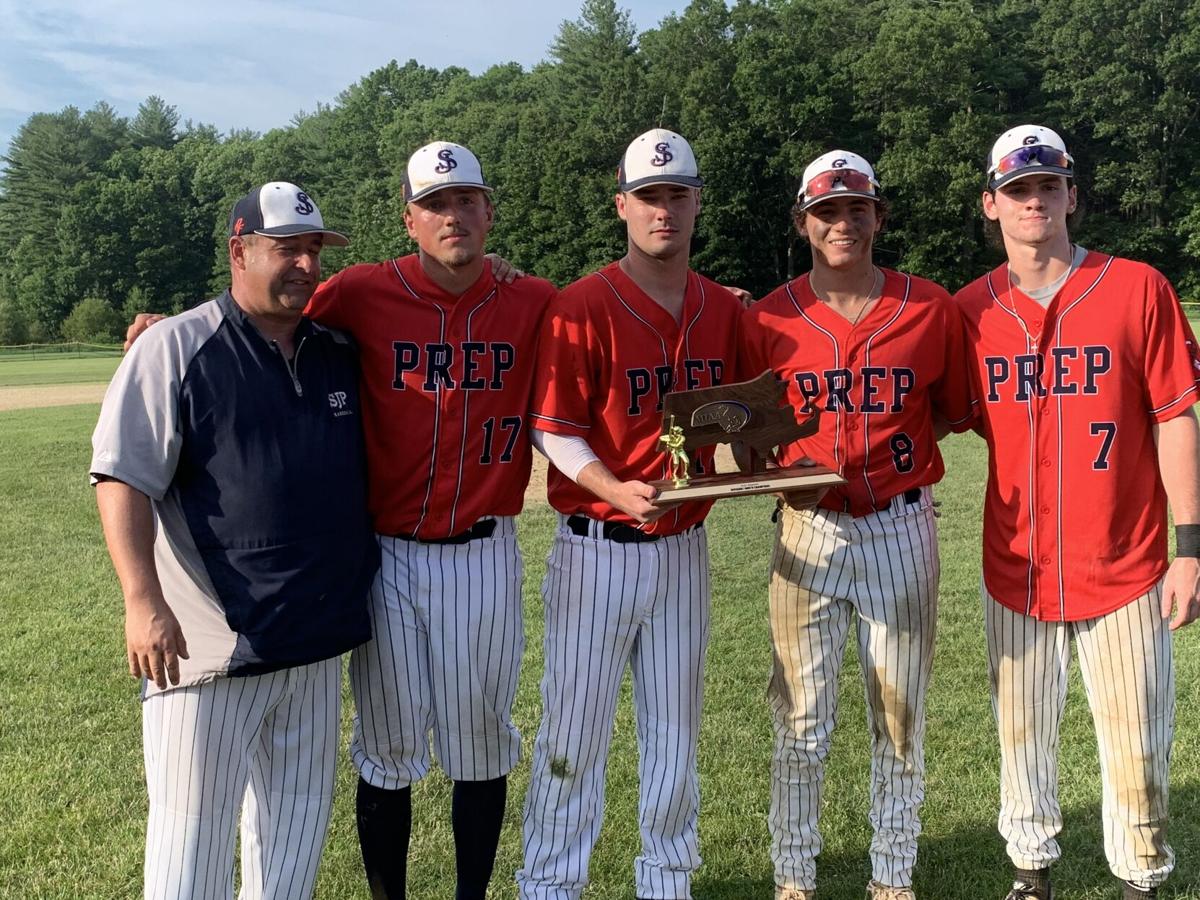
x=448, y=634
x=1128, y=674
x=266, y=744
x=883, y=567
x=608, y=604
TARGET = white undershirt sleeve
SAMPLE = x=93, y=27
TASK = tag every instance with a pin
x=568, y=453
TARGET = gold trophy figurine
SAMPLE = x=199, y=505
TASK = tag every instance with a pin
x=677, y=470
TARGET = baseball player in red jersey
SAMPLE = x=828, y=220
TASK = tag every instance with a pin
x=880, y=354
x=448, y=358
x=1085, y=371
x=627, y=583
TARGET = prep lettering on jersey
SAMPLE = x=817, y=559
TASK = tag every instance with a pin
x=884, y=388
x=1066, y=371
x=660, y=381
x=481, y=365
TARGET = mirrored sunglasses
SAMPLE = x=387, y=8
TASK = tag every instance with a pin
x=837, y=180
x=1035, y=155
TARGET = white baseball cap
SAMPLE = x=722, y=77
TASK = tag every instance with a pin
x=658, y=157
x=837, y=173
x=280, y=209
x=1027, y=150
x=442, y=165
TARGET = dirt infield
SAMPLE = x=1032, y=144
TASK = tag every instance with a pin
x=36, y=395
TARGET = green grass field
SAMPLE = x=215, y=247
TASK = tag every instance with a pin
x=72, y=802
x=19, y=372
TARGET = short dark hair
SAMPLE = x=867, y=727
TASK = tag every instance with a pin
x=883, y=211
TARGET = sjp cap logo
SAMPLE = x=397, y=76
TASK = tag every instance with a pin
x=439, y=165
x=658, y=156
x=448, y=162
x=280, y=209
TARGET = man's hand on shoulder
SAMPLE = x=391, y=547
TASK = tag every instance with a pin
x=502, y=270
x=1181, y=591
x=744, y=296
x=140, y=323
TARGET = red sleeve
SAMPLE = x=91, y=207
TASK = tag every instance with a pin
x=952, y=395
x=562, y=388
x=326, y=306
x=1172, y=360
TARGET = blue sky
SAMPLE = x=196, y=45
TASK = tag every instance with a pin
x=254, y=63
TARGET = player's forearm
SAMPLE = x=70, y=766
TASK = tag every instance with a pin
x=634, y=498
x=597, y=478
x=568, y=453
x=1179, y=466
x=128, y=522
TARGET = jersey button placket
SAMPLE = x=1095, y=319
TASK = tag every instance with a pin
x=453, y=401
x=849, y=421
x=1045, y=487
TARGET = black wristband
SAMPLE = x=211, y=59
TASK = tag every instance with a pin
x=1187, y=540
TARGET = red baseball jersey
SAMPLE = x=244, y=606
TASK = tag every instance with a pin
x=877, y=382
x=609, y=354
x=446, y=383
x=1075, y=514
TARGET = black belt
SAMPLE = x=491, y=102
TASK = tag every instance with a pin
x=481, y=529
x=911, y=496
x=613, y=531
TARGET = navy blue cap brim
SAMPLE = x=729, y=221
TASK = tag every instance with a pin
x=685, y=180
x=332, y=238
x=433, y=189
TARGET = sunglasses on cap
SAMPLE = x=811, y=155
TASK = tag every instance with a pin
x=1035, y=155
x=837, y=181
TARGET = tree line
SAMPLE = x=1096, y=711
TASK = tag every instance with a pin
x=102, y=215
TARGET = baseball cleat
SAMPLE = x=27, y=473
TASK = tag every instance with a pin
x=1133, y=892
x=877, y=891
x=1031, y=884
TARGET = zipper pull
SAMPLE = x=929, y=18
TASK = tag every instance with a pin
x=289, y=364
x=294, y=366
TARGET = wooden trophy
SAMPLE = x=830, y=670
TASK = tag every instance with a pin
x=749, y=412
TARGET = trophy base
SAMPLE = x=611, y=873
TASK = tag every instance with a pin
x=746, y=484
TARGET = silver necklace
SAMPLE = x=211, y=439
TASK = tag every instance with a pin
x=876, y=286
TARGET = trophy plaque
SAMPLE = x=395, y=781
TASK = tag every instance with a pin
x=749, y=412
